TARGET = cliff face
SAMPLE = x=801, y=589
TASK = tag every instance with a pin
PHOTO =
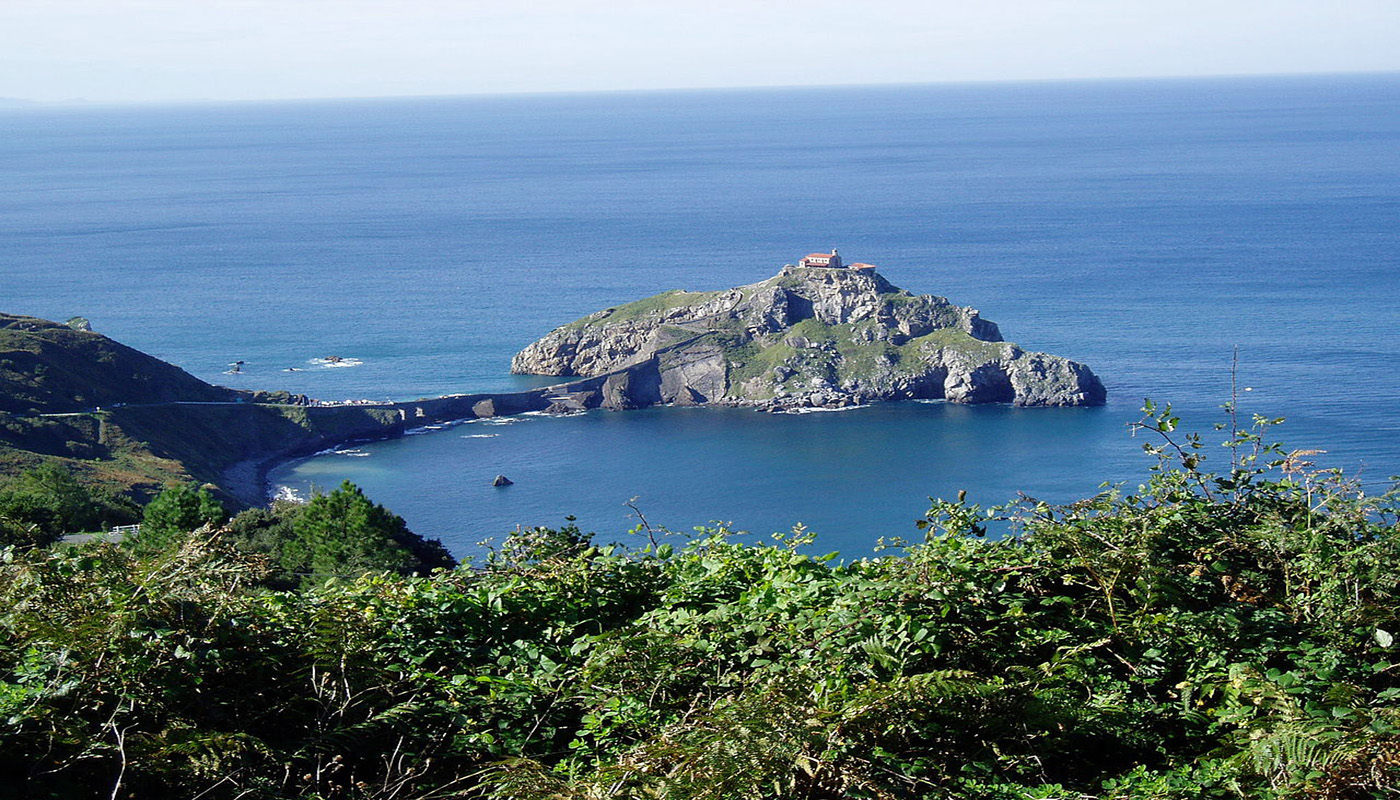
x=808, y=337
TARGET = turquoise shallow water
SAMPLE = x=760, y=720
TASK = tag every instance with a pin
x=1145, y=228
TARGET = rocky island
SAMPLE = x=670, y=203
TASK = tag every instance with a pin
x=818, y=334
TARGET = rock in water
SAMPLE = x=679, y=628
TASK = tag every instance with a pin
x=502, y=480
x=807, y=337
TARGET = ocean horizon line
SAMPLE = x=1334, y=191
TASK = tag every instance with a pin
x=30, y=105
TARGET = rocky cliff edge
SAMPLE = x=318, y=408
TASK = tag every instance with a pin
x=809, y=337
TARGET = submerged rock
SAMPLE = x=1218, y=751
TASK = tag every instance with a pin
x=808, y=337
x=502, y=480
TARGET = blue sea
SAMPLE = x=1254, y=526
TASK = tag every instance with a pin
x=1151, y=229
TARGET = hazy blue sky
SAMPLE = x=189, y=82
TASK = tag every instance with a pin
x=158, y=50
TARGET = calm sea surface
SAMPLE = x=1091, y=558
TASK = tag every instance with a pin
x=1145, y=228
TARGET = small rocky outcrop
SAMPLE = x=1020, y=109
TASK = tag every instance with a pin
x=807, y=337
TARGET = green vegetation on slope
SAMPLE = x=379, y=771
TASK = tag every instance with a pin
x=666, y=301
x=123, y=421
x=343, y=532
x=842, y=354
x=136, y=450
x=181, y=508
x=52, y=368
x=39, y=505
x=1207, y=636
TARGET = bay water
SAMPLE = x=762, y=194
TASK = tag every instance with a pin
x=1150, y=229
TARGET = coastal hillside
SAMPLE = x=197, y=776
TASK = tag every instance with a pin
x=47, y=367
x=811, y=336
x=130, y=423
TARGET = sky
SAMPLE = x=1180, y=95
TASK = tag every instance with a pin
x=141, y=51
